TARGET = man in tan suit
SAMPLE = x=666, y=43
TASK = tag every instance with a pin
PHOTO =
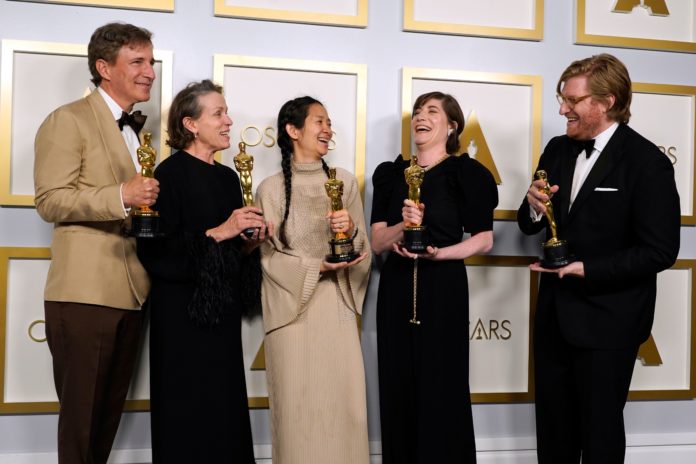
x=86, y=182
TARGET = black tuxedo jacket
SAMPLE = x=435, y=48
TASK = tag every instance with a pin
x=624, y=226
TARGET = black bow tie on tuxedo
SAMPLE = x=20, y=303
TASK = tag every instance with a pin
x=136, y=120
x=587, y=145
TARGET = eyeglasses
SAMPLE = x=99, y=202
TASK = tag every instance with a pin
x=571, y=101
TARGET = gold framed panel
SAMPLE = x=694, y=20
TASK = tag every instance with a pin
x=14, y=50
x=258, y=402
x=510, y=356
x=24, y=407
x=291, y=13
x=582, y=36
x=651, y=126
x=657, y=347
x=474, y=128
x=654, y=353
x=358, y=71
x=534, y=32
x=150, y=5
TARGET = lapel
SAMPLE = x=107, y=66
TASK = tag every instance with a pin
x=566, y=181
x=605, y=163
x=114, y=146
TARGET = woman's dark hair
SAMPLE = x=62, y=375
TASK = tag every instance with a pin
x=293, y=112
x=454, y=115
x=107, y=41
x=186, y=105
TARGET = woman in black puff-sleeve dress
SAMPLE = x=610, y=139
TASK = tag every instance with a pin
x=425, y=406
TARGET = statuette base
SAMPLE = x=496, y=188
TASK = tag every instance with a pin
x=556, y=254
x=415, y=239
x=145, y=225
x=342, y=250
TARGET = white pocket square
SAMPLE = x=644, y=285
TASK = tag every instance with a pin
x=606, y=189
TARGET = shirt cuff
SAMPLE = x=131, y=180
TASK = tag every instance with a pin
x=536, y=217
x=126, y=211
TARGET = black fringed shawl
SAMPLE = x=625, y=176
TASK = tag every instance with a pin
x=223, y=277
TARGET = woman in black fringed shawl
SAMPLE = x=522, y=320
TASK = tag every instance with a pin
x=205, y=274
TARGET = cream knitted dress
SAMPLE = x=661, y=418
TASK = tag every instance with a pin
x=314, y=365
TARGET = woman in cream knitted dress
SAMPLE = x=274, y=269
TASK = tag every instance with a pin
x=314, y=367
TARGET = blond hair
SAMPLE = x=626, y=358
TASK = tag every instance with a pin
x=606, y=76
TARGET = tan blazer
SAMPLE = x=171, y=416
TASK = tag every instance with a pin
x=81, y=161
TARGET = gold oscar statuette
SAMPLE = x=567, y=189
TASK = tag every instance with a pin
x=244, y=164
x=145, y=221
x=415, y=239
x=555, y=251
x=341, y=245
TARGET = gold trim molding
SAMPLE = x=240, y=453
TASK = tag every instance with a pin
x=294, y=16
x=512, y=261
x=410, y=74
x=222, y=61
x=149, y=5
x=582, y=37
x=690, y=265
x=536, y=33
x=685, y=91
x=6, y=254
x=9, y=49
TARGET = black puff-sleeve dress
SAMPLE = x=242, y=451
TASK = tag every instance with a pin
x=199, y=409
x=425, y=406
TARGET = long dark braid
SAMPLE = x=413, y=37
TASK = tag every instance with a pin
x=325, y=167
x=293, y=112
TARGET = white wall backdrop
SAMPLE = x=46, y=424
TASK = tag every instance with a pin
x=658, y=430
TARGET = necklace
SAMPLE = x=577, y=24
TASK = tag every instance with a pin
x=414, y=320
x=429, y=167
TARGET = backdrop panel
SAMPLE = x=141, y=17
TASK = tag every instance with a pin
x=336, y=12
x=652, y=105
x=666, y=364
x=26, y=372
x=23, y=86
x=512, y=19
x=154, y=5
x=649, y=24
x=502, y=293
x=503, y=123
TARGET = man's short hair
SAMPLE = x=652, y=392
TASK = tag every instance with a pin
x=107, y=41
x=606, y=76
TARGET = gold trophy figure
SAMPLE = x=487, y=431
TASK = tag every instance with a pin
x=556, y=253
x=414, y=234
x=341, y=245
x=145, y=221
x=244, y=164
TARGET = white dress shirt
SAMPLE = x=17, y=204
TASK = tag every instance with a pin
x=583, y=166
x=129, y=136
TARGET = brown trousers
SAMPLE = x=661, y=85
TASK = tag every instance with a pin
x=94, y=350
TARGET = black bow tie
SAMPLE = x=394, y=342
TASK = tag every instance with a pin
x=136, y=120
x=587, y=145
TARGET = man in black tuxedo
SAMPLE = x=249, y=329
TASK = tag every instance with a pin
x=616, y=203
